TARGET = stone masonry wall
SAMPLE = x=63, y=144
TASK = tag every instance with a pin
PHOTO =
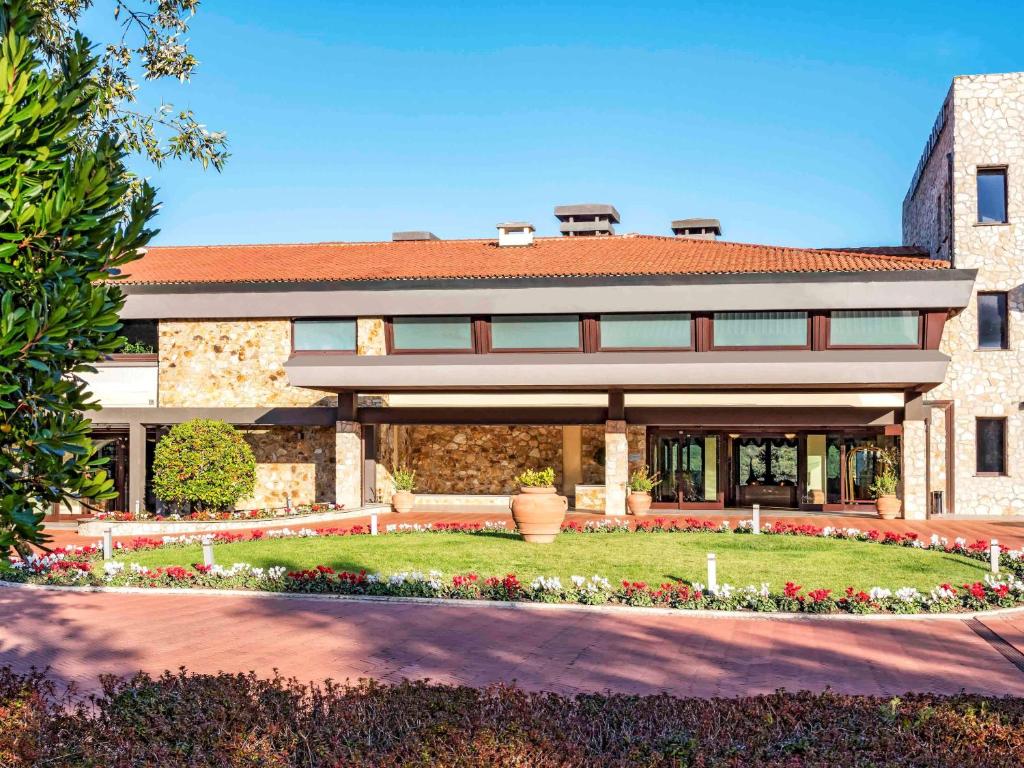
x=593, y=449
x=481, y=459
x=985, y=128
x=295, y=463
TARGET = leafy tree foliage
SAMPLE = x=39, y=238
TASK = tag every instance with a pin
x=205, y=463
x=153, y=41
x=63, y=237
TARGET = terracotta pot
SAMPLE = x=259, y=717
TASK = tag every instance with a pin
x=888, y=506
x=638, y=503
x=402, y=501
x=817, y=497
x=539, y=513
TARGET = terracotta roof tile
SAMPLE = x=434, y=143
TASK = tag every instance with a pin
x=475, y=259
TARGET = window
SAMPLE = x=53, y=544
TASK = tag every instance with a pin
x=761, y=329
x=430, y=333
x=324, y=335
x=992, y=196
x=514, y=332
x=141, y=337
x=990, y=444
x=662, y=330
x=992, y=321
x=875, y=328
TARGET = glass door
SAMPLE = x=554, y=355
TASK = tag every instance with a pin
x=688, y=470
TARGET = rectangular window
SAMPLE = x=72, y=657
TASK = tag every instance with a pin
x=993, y=325
x=429, y=333
x=511, y=332
x=990, y=443
x=142, y=337
x=992, y=196
x=660, y=330
x=761, y=329
x=324, y=335
x=875, y=328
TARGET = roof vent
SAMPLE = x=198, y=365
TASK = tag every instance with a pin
x=515, y=233
x=416, y=234
x=587, y=219
x=697, y=229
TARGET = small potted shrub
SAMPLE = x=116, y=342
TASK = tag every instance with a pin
x=640, y=484
x=403, y=500
x=537, y=509
x=887, y=480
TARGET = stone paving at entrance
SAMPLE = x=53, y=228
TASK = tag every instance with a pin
x=80, y=635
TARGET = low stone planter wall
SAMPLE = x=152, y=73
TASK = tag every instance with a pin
x=455, y=500
x=174, y=527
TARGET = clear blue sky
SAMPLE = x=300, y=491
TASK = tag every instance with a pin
x=797, y=123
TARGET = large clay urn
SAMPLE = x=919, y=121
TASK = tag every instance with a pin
x=888, y=506
x=638, y=503
x=402, y=501
x=539, y=513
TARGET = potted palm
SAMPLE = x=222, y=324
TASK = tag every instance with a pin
x=887, y=480
x=638, y=502
x=537, y=509
x=403, y=500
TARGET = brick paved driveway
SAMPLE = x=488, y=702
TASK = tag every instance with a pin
x=81, y=635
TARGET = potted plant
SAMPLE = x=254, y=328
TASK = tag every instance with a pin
x=403, y=500
x=640, y=484
x=537, y=510
x=887, y=479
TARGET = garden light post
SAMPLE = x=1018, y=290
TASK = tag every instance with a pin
x=373, y=523
x=208, y=559
x=993, y=555
x=108, y=543
x=757, y=518
x=712, y=571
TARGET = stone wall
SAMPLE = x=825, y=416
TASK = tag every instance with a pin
x=229, y=363
x=294, y=463
x=480, y=459
x=593, y=451
x=984, y=127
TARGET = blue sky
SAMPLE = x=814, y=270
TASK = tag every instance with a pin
x=794, y=123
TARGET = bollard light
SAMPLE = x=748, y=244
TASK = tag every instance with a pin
x=138, y=507
x=108, y=544
x=208, y=560
x=757, y=518
x=373, y=523
x=712, y=571
x=993, y=555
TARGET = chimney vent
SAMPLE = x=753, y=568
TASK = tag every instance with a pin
x=417, y=234
x=697, y=229
x=587, y=219
x=515, y=233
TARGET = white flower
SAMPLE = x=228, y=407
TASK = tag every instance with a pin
x=547, y=584
x=879, y=593
x=908, y=594
x=722, y=590
x=941, y=593
x=578, y=581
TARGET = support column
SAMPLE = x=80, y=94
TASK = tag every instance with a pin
x=136, y=467
x=348, y=465
x=572, y=459
x=915, y=470
x=616, y=467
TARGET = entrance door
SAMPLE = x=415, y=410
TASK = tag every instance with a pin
x=688, y=470
x=766, y=470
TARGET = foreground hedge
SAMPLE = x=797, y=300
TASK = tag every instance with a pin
x=239, y=720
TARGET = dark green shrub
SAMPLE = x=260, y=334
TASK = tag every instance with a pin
x=204, y=463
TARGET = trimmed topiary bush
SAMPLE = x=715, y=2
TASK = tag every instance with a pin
x=204, y=463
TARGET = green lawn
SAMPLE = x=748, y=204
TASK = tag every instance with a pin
x=654, y=558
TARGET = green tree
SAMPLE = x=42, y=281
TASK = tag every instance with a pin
x=205, y=463
x=152, y=44
x=63, y=237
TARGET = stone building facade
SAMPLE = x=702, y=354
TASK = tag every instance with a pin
x=980, y=126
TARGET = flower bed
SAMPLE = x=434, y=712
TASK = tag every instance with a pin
x=265, y=513
x=217, y=720
x=83, y=566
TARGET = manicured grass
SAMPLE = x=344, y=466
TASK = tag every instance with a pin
x=655, y=558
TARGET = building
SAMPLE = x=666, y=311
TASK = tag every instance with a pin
x=741, y=373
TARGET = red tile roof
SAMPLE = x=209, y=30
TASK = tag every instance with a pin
x=473, y=259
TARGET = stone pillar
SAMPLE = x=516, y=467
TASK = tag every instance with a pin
x=136, y=467
x=915, y=470
x=348, y=465
x=616, y=467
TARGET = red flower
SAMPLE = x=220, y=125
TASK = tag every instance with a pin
x=791, y=590
x=819, y=595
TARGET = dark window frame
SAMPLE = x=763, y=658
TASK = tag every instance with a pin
x=828, y=332
x=599, y=347
x=986, y=170
x=392, y=349
x=355, y=345
x=138, y=357
x=1003, y=451
x=580, y=334
x=749, y=348
x=1005, y=341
